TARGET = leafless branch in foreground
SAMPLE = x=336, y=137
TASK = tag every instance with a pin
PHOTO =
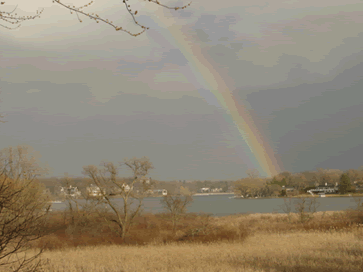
x=12, y=18
x=23, y=209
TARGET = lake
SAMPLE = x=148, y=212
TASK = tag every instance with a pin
x=222, y=205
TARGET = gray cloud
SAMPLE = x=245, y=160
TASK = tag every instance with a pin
x=81, y=93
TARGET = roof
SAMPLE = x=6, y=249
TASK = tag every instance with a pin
x=326, y=186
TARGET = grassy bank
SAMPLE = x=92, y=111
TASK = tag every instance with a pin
x=326, y=241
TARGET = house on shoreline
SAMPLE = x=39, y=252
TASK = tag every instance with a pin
x=162, y=192
x=158, y=192
x=69, y=191
x=204, y=190
x=94, y=191
x=328, y=188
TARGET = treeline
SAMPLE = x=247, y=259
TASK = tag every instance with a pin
x=299, y=183
x=173, y=187
x=253, y=185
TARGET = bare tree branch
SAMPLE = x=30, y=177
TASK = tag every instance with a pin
x=11, y=18
x=23, y=207
x=129, y=191
x=176, y=206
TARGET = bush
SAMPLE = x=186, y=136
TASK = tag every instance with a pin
x=217, y=234
x=23, y=208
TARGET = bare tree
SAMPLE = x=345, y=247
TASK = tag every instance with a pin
x=70, y=199
x=23, y=208
x=306, y=207
x=176, y=206
x=359, y=202
x=79, y=214
x=249, y=186
x=21, y=162
x=134, y=190
x=241, y=190
x=253, y=173
x=10, y=18
x=287, y=207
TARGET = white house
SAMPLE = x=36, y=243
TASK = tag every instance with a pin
x=205, y=190
x=94, y=190
x=325, y=189
x=161, y=192
x=70, y=191
x=126, y=187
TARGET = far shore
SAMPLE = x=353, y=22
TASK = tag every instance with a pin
x=212, y=194
x=207, y=194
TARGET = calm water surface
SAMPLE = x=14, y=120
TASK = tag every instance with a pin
x=221, y=205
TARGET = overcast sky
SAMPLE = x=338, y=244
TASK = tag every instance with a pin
x=80, y=93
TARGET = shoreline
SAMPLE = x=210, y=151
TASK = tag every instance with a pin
x=231, y=194
x=306, y=196
x=209, y=194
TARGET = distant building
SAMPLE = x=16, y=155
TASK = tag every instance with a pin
x=145, y=180
x=288, y=189
x=93, y=190
x=327, y=188
x=205, y=190
x=69, y=191
x=313, y=183
x=158, y=192
x=162, y=192
x=358, y=185
x=126, y=187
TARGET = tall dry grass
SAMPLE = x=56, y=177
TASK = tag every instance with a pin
x=329, y=241
x=297, y=251
x=147, y=229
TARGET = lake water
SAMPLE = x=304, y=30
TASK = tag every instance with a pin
x=222, y=205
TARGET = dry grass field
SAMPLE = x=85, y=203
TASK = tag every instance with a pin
x=329, y=241
x=298, y=251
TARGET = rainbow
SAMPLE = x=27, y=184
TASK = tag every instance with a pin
x=215, y=83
